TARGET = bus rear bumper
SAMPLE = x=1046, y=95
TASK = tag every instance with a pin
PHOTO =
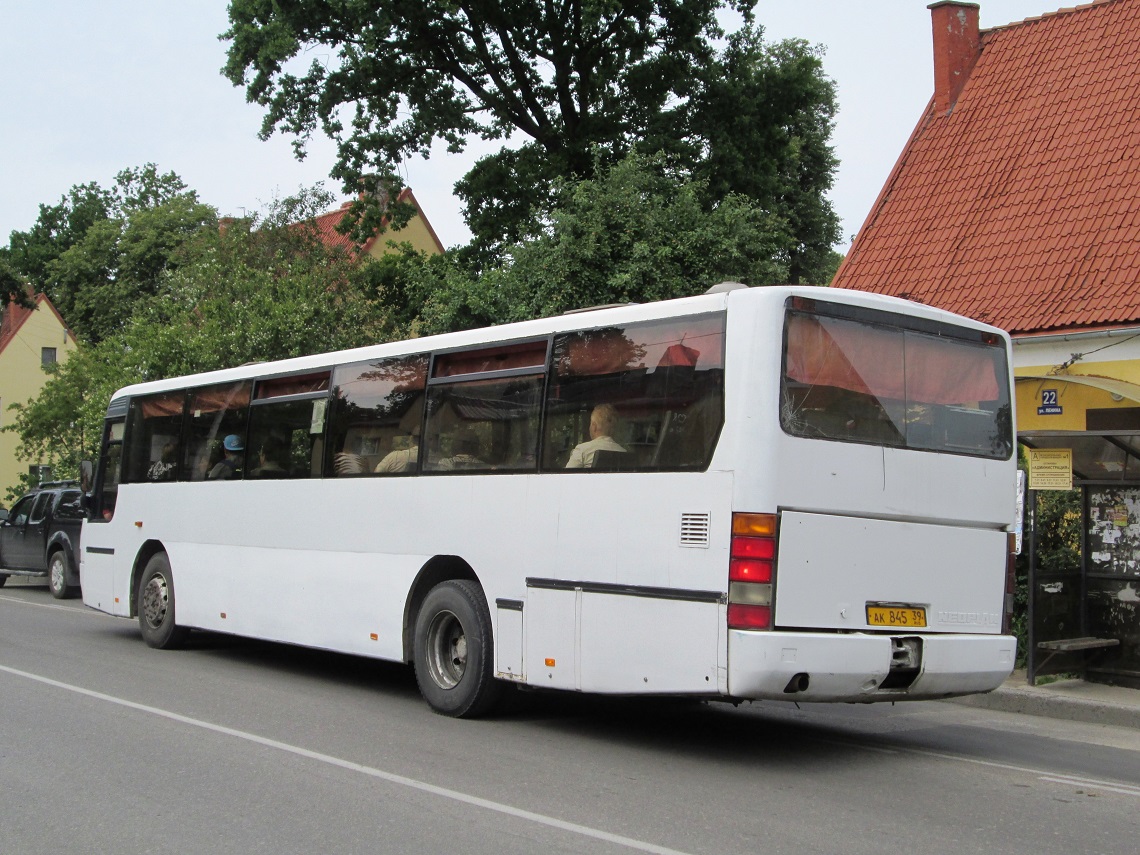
x=828, y=667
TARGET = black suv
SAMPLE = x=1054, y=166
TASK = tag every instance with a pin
x=40, y=537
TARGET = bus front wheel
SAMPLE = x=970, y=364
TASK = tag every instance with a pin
x=453, y=653
x=156, y=606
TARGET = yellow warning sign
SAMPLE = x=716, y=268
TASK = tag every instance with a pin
x=1050, y=468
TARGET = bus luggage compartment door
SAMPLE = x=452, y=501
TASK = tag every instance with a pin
x=600, y=639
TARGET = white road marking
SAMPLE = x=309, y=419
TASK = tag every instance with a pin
x=390, y=777
x=1040, y=774
x=1086, y=783
x=55, y=606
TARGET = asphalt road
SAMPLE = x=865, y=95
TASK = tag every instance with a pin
x=244, y=747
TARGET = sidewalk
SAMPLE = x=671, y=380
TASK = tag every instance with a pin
x=1073, y=700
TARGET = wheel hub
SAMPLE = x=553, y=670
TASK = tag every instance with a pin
x=447, y=650
x=57, y=580
x=155, y=597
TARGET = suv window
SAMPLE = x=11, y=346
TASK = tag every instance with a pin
x=40, y=509
x=70, y=505
x=19, y=514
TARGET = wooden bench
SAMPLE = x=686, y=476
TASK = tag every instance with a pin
x=1073, y=645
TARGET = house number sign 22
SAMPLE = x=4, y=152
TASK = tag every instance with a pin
x=1049, y=405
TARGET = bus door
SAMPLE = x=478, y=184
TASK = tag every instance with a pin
x=97, y=559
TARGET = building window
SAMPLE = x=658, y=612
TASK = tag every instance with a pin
x=47, y=356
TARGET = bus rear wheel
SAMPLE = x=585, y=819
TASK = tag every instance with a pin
x=156, y=606
x=453, y=652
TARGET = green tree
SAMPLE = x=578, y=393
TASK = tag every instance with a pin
x=57, y=228
x=633, y=233
x=97, y=283
x=98, y=250
x=258, y=289
x=13, y=287
x=761, y=123
x=574, y=84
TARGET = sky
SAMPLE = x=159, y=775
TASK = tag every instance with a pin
x=91, y=89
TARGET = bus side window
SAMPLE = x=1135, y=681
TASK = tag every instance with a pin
x=154, y=437
x=488, y=425
x=375, y=417
x=287, y=426
x=483, y=408
x=646, y=396
x=213, y=413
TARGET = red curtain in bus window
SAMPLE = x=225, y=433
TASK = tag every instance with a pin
x=163, y=405
x=215, y=398
x=944, y=371
x=530, y=354
x=844, y=355
x=888, y=363
x=280, y=386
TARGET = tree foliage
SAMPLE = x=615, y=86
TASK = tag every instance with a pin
x=258, y=289
x=762, y=122
x=13, y=287
x=98, y=251
x=631, y=234
x=570, y=84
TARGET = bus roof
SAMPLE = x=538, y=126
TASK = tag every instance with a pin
x=576, y=320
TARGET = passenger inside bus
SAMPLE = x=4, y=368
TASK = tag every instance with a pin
x=269, y=459
x=603, y=424
x=230, y=465
x=163, y=468
x=403, y=459
x=464, y=452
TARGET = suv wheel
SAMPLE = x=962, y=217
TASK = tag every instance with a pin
x=58, y=570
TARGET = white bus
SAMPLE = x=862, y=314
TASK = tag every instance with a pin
x=784, y=493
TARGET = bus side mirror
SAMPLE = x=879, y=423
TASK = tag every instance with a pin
x=86, y=473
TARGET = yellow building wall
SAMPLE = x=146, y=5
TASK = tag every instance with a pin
x=1073, y=399
x=416, y=232
x=21, y=379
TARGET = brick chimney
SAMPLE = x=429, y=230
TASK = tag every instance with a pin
x=957, y=45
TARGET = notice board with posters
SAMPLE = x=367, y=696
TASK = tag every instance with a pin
x=1112, y=577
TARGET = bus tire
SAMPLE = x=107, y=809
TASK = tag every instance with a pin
x=156, y=606
x=58, y=571
x=3, y=579
x=453, y=653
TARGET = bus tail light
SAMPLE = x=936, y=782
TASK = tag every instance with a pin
x=752, y=560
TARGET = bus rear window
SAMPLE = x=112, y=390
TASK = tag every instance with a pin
x=879, y=379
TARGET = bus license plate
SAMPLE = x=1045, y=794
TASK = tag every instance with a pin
x=907, y=616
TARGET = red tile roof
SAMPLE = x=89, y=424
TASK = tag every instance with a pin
x=327, y=223
x=13, y=317
x=1021, y=205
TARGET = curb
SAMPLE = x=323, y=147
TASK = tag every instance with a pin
x=1051, y=704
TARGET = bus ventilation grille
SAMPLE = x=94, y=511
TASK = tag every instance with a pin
x=695, y=530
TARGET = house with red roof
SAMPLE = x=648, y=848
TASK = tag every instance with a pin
x=418, y=232
x=29, y=340
x=1016, y=201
